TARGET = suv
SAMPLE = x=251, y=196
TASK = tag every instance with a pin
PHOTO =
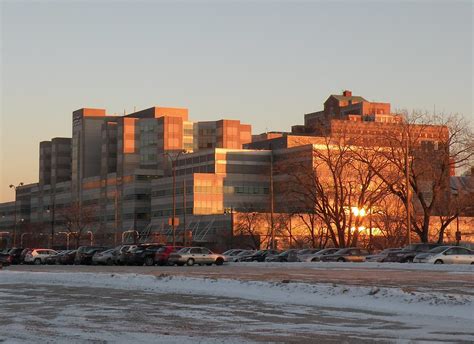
x=84, y=254
x=138, y=255
x=408, y=253
x=38, y=256
x=15, y=253
x=161, y=255
x=350, y=254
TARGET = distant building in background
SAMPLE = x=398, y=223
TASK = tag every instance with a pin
x=122, y=166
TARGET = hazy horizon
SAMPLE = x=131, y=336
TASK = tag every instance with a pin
x=265, y=63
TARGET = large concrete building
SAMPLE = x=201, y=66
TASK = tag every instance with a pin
x=122, y=167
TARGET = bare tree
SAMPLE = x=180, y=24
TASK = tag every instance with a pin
x=333, y=184
x=427, y=148
x=77, y=219
x=249, y=224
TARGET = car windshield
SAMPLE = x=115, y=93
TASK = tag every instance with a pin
x=109, y=251
x=438, y=249
x=184, y=250
x=324, y=251
x=228, y=252
x=342, y=251
x=410, y=248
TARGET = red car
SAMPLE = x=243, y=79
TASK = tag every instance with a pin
x=161, y=256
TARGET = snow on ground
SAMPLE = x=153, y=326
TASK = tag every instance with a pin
x=401, y=314
x=454, y=268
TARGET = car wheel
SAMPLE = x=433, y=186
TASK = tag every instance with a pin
x=37, y=261
x=341, y=260
x=314, y=260
x=109, y=262
x=439, y=261
x=219, y=261
x=149, y=261
x=190, y=262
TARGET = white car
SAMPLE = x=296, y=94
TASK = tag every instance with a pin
x=228, y=255
x=38, y=256
x=195, y=255
x=446, y=255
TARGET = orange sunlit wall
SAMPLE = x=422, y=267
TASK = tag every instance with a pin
x=129, y=135
x=172, y=133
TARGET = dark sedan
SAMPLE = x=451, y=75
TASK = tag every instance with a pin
x=260, y=256
x=5, y=259
x=84, y=254
x=408, y=253
x=15, y=253
x=67, y=258
x=350, y=254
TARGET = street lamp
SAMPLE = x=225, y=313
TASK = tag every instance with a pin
x=52, y=211
x=67, y=237
x=15, y=187
x=136, y=235
x=92, y=237
x=21, y=238
x=173, y=167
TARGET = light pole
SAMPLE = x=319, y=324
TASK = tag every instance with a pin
x=91, y=236
x=173, y=167
x=135, y=233
x=67, y=238
x=15, y=187
x=51, y=210
x=21, y=238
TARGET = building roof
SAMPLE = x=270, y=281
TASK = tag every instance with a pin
x=347, y=98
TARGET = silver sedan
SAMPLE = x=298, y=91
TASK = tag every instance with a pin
x=446, y=255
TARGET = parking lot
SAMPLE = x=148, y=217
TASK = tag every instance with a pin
x=238, y=302
x=453, y=279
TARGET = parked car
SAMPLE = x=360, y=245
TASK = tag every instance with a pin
x=105, y=257
x=137, y=255
x=231, y=253
x=15, y=253
x=38, y=256
x=5, y=259
x=121, y=256
x=350, y=254
x=242, y=256
x=54, y=259
x=23, y=254
x=161, y=255
x=260, y=256
x=67, y=258
x=446, y=255
x=408, y=253
x=316, y=257
x=286, y=256
x=84, y=254
x=382, y=255
x=195, y=255
x=303, y=253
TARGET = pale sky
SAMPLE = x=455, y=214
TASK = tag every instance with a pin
x=264, y=62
